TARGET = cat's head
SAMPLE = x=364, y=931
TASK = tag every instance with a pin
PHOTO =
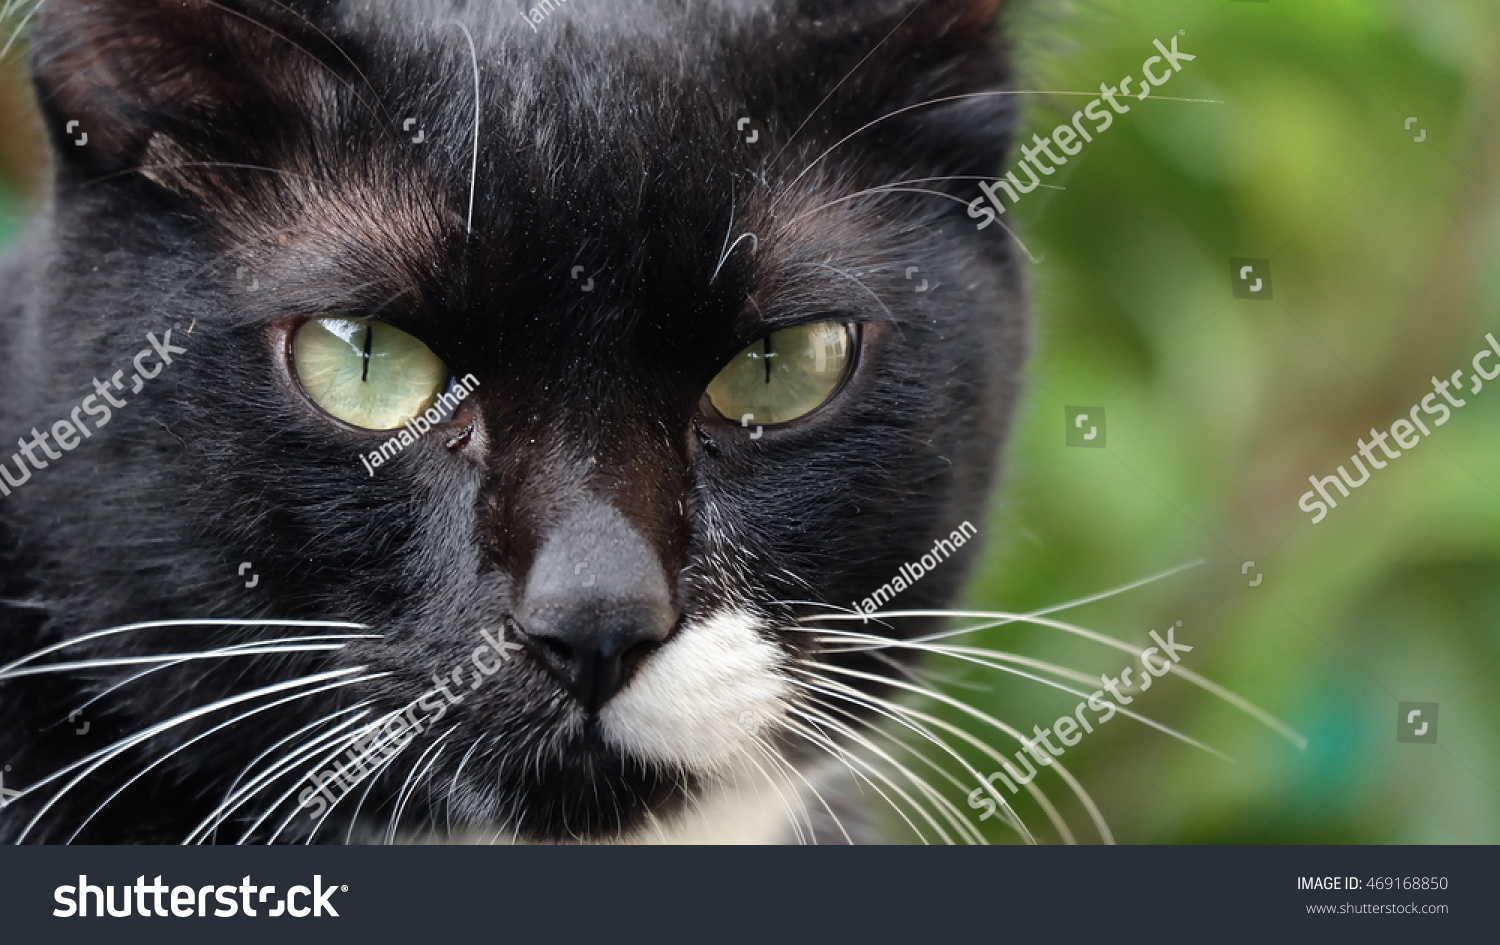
x=731, y=354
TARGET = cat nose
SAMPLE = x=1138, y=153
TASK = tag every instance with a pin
x=594, y=649
x=595, y=603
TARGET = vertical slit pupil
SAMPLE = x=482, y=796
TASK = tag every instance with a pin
x=766, y=355
x=369, y=342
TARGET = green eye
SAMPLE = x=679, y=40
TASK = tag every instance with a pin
x=365, y=372
x=785, y=375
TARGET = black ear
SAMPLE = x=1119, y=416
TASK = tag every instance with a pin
x=921, y=34
x=123, y=81
x=932, y=73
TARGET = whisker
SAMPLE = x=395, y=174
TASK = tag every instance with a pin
x=1077, y=788
x=787, y=762
x=945, y=807
x=214, y=835
x=341, y=738
x=786, y=805
x=152, y=624
x=891, y=711
x=192, y=741
x=339, y=735
x=101, y=757
x=235, y=799
x=872, y=643
x=964, y=654
x=228, y=649
x=304, y=51
x=839, y=753
x=877, y=191
x=372, y=778
x=143, y=168
x=410, y=788
x=939, y=101
x=730, y=248
x=847, y=76
x=453, y=786
x=474, y=166
x=856, y=280
x=1239, y=702
x=347, y=58
x=16, y=34
x=372, y=775
x=1082, y=601
x=170, y=658
x=977, y=837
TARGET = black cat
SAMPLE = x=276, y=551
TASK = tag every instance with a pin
x=439, y=422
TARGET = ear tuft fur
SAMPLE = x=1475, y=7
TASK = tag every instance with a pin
x=126, y=72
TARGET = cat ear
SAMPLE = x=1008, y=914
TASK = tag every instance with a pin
x=120, y=78
x=929, y=18
x=937, y=69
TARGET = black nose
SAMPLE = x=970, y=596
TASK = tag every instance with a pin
x=595, y=603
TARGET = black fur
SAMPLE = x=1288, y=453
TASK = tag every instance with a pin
x=609, y=140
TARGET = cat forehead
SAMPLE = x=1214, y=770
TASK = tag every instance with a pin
x=646, y=147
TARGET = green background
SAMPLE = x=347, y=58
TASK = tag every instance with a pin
x=1385, y=263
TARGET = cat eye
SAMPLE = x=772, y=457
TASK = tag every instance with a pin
x=785, y=375
x=366, y=373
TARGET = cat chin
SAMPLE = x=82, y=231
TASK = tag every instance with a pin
x=699, y=702
x=742, y=808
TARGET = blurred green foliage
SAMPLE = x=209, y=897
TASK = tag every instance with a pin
x=1385, y=256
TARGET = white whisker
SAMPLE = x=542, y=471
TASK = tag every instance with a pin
x=976, y=838
x=214, y=834
x=192, y=741
x=410, y=788
x=1083, y=796
x=945, y=807
x=101, y=757
x=341, y=737
x=172, y=658
x=235, y=799
x=474, y=166
x=966, y=654
x=453, y=785
x=228, y=649
x=818, y=739
x=151, y=624
x=1239, y=702
x=891, y=712
x=791, y=813
x=939, y=101
x=725, y=258
x=19, y=27
x=787, y=763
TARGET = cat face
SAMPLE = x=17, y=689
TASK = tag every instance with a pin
x=567, y=602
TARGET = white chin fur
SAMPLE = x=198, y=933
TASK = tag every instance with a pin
x=697, y=701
